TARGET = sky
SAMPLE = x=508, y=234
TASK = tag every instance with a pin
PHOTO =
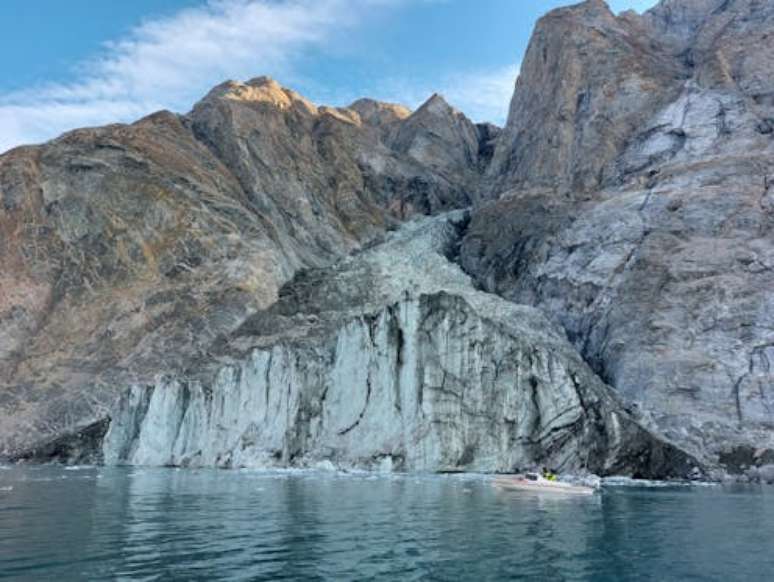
x=80, y=63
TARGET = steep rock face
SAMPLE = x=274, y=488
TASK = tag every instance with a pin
x=488, y=135
x=661, y=276
x=310, y=166
x=587, y=82
x=126, y=250
x=117, y=244
x=440, y=137
x=677, y=22
x=383, y=116
x=395, y=362
x=293, y=159
x=199, y=259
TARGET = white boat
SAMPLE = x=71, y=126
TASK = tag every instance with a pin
x=535, y=483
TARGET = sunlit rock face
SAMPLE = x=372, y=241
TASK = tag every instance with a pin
x=251, y=284
x=126, y=250
x=391, y=362
x=652, y=248
x=588, y=80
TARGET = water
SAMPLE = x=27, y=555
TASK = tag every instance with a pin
x=165, y=524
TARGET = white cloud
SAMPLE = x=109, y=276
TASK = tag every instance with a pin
x=171, y=62
x=41, y=119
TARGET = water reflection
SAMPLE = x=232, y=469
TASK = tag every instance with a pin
x=153, y=524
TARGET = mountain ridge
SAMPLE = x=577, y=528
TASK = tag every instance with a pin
x=632, y=208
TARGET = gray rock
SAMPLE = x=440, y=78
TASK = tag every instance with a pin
x=441, y=138
x=587, y=81
x=766, y=474
x=393, y=362
x=225, y=285
x=649, y=238
x=126, y=250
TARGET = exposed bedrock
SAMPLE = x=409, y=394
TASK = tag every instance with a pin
x=126, y=250
x=250, y=283
x=439, y=377
x=660, y=268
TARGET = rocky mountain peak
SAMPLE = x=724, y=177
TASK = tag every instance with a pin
x=379, y=113
x=678, y=21
x=630, y=203
x=438, y=135
x=632, y=144
x=260, y=90
x=588, y=12
x=264, y=81
x=595, y=8
x=436, y=105
x=587, y=78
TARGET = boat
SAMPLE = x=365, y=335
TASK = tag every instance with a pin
x=535, y=483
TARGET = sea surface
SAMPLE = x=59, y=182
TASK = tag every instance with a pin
x=165, y=524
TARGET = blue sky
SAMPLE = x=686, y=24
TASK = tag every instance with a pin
x=77, y=63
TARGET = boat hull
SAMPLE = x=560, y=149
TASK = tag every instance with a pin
x=549, y=487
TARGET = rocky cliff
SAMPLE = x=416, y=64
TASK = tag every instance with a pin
x=126, y=250
x=641, y=221
x=252, y=284
x=390, y=360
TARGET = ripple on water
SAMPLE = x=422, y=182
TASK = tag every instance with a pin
x=138, y=524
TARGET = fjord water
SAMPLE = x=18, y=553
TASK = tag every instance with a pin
x=166, y=524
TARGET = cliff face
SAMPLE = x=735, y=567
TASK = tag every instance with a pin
x=659, y=267
x=588, y=80
x=251, y=284
x=391, y=361
x=126, y=250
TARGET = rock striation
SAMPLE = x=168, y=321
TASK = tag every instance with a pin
x=127, y=250
x=390, y=360
x=588, y=80
x=644, y=227
x=269, y=282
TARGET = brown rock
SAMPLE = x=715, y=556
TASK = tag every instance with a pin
x=126, y=250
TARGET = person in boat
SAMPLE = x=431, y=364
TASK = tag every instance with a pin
x=548, y=475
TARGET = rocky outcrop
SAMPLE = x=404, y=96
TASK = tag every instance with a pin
x=312, y=167
x=391, y=362
x=442, y=138
x=250, y=278
x=123, y=249
x=383, y=116
x=488, y=135
x=653, y=250
x=126, y=250
x=588, y=81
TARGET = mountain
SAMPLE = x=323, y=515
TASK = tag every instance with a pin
x=269, y=282
x=634, y=210
x=126, y=250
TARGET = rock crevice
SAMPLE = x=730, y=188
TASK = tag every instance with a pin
x=420, y=373
x=257, y=273
x=639, y=237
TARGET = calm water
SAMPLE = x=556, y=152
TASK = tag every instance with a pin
x=144, y=524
